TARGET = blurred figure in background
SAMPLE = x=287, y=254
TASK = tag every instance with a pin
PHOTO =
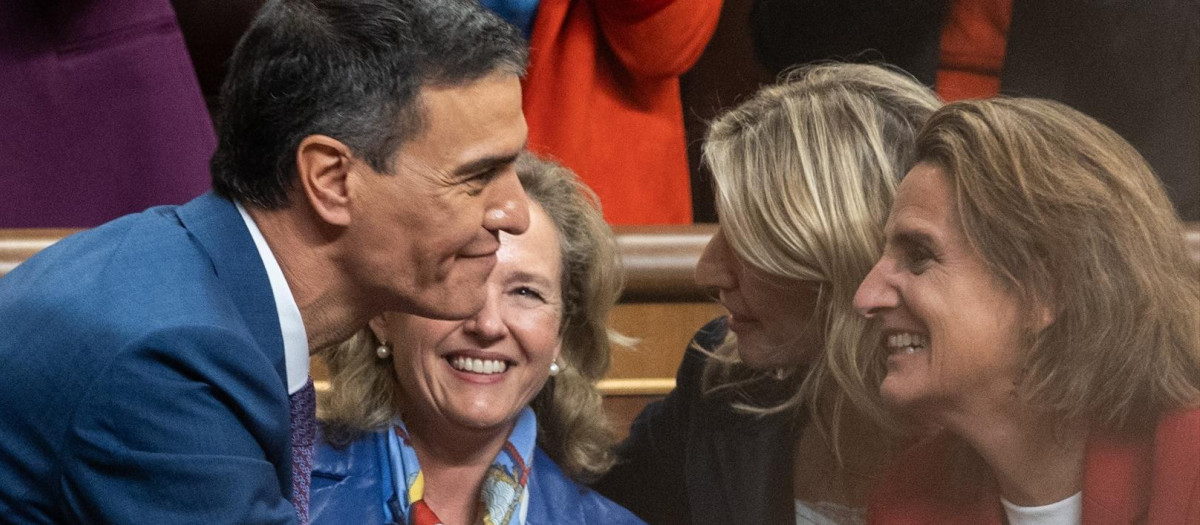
x=602, y=96
x=1133, y=65
x=100, y=112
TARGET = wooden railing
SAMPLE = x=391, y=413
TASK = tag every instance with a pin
x=659, y=260
x=16, y=245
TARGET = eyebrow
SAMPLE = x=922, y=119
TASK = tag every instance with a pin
x=912, y=237
x=485, y=163
x=523, y=276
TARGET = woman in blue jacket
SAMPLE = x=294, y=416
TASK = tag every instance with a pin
x=492, y=419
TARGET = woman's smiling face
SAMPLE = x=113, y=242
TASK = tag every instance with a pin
x=478, y=373
x=951, y=329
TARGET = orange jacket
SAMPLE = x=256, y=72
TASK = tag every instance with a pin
x=602, y=97
x=1152, y=481
x=972, y=49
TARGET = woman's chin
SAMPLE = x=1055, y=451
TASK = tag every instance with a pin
x=489, y=419
x=476, y=415
x=897, y=395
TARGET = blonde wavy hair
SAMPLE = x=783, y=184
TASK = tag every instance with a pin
x=1069, y=216
x=572, y=426
x=804, y=175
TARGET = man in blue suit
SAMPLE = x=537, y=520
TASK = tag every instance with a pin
x=364, y=164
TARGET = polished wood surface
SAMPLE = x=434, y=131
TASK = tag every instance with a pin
x=622, y=410
x=660, y=260
x=19, y=244
x=663, y=330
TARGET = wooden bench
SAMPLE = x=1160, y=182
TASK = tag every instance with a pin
x=661, y=305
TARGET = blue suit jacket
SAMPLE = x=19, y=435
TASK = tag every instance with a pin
x=142, y=376
x=349, y=484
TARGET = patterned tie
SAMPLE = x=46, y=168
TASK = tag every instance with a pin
x=304, y=430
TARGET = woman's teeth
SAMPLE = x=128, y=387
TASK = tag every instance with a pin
x=478, y=366
x=908, y=343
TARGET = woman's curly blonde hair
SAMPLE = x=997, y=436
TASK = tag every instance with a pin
x=572, y=426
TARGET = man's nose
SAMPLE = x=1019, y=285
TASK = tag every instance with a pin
x=508, y=210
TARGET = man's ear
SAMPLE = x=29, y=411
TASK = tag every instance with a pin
x=323, y=164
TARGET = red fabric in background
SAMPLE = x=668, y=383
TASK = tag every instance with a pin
x=972, y=49
x=602, y=97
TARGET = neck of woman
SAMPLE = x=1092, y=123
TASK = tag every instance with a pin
x=454, y=463
x=1034, y=457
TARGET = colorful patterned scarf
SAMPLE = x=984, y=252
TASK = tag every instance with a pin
x=505, y=492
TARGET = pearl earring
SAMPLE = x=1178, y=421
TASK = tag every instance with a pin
x=554, y=368
x=383, y=351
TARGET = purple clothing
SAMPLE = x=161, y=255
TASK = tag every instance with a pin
x=100, y=112
x=304, y=431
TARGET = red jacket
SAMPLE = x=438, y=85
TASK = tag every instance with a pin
x=602, y=97
x=1154, y=480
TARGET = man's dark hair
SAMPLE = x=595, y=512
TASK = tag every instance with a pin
x=349, y=69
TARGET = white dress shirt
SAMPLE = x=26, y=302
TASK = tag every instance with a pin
x=291, y=326
x=1066, y=512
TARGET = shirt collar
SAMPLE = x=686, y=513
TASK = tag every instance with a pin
x=291, y=325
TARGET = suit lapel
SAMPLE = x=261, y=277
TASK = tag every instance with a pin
x=219, y=229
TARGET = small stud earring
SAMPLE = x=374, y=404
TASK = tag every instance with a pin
x=554, y=368
x=383, y=351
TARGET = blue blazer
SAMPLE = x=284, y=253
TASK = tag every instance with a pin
x=349, y=486
x=142, y=376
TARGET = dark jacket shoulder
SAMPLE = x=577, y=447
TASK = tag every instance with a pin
x=693, y=458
